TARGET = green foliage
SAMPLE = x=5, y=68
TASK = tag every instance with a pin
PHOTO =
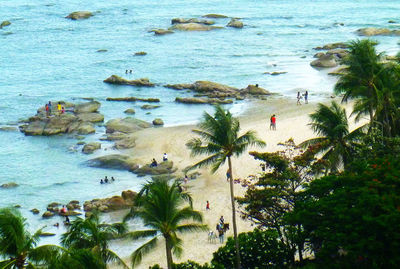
x=161, y=207
x=354, y=218
x=258, y=249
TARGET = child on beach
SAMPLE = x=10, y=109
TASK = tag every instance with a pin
x=208, y=206
x=298, y=98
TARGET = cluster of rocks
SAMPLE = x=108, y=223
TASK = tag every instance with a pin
x=114, y=203
x=216, y=92
x=55, y=209
x=117, y=80
x=332, y=57
x=79, y=15
x=196, y=24
x=79, y=118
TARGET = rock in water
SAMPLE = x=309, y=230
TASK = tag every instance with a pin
x=235, y=23
x=254, y=90
x=372, y=31
x=79, y=15
x=158, y=121
x=161, y=31
x=140, y=53
x=126, y=125
x=214, y=16
x=9, y=185
x=325, y=61
x=114, y=161
x=4, y=24
x=161, y=169
x=130, y=111
x=91, y=147
x=142, y=82
x=88, y=107
x=192, y=26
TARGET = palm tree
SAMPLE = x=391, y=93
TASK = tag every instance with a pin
x=161, y=207
x=336, y=143
x=220, y=140
x=361, y=77
x=76, y=259
x=92, y=235
x=17, y=245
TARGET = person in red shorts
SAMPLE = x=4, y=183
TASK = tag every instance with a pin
x=272, y=126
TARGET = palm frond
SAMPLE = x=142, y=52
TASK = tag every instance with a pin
x=137, y=255
x=141, y=234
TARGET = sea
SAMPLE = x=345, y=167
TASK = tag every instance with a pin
x=44, y=56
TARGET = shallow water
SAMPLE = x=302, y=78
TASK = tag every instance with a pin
x=47, y=57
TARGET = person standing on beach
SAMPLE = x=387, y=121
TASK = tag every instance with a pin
x=49, y=105
x=306, y=97
x=298, y=98
x=272, y=126
x=208, y=206
x=228, y=174
x=46, y=107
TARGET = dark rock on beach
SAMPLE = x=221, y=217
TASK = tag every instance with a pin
x=254, y=90
x=158, y=122
x=117, y=80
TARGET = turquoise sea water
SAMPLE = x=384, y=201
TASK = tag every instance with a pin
x=47, y=57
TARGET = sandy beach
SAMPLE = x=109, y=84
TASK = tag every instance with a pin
x=292, y=122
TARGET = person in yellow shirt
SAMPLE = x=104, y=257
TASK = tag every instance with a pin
x=59, y=107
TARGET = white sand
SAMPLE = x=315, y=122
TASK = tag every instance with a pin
x=292, y=122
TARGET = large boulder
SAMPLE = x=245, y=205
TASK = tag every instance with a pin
x=235, y=23
x=142, y=82
x=254, y=90
x=85, y=128
x=214, y=16
x=87, y=107
x=128, y=195
x=114, y=203
x=209, y=86
x=193, y=20
x=58, y=124
x=195, y=100
x=91, y=147
x=193, y=26
x=9, y=185
x=91, y=117
x=339, y=53
x=325, y=62
x=114, y=161
x=79, y=15
x=126, y=125
x=372, y=31
x=161, y=169
x=4, y=24
x=158, y=122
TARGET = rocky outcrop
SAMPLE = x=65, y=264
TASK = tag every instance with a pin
x=161, y=31
x=79, y=15
x=195, y=100
x=337, y=45
x=192, y=26
x=130, y=111
x=149, y=107
x=91, y=147
x=193, y=20
x=4, y=24
x=77, y=118
x=235, y=23
x=158, y=122
x=125, y=143
x=126, y=125
x=133, y=99
x=114, y=161
x=215, y=16
x=73, y=205
x=372, y=31
x=117, y=80
x=182, y=86
x=9, y=185
x=126, y=200
x=161, y=169
x=140, y=53
x=325, y=61
x=254, y=90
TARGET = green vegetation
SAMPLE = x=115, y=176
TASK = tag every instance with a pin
x=160, y=205
x=220, y=140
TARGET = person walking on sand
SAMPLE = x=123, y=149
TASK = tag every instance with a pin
x=298, y=98
x=165, y=157
x=228, y=174
x=306, y=97
x=208, y=205
x=272, y=125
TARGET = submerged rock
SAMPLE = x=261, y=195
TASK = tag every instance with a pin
x=9, y=185
x=142, y=82
x=79, y=15
x=372, y=31
x=235, y=23
x=192, y=26
x=275, y=73
x=4, y=24
x=215, y=16
x=91, y=147
x=114, y=161
x=161, y=31
x=140, y=53
x=130, y=111
x=193, y=20
x=8, y=129
x=149, y=107
x=35, y=211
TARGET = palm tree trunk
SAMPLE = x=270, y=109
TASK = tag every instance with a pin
x=169, y=253
x=235, y=235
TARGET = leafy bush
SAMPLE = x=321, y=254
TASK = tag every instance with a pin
x=258, y=249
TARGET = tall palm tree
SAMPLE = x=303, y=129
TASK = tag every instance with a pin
x=221, y=141
x=17, y=245
x=335, y=143
x=161, y=207
x=95, y=236
x=360, y=79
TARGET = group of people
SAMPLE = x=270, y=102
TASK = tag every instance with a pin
x=299, y=96
x=154, y=162
x=106, y=180
x=49, y=105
